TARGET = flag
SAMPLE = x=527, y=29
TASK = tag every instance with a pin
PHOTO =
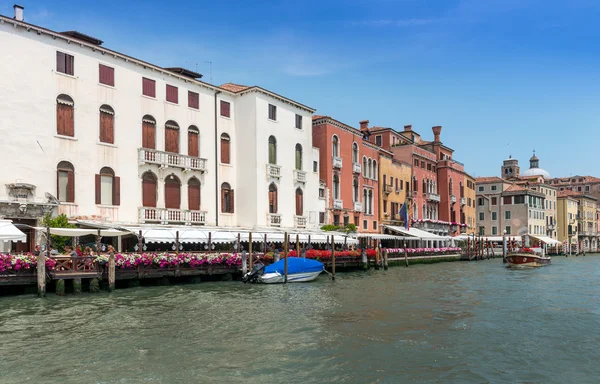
x=404, y=215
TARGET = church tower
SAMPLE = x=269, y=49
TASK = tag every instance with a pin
x=510, y=168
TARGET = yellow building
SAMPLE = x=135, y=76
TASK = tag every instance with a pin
x=394, y=179
x=468, y=205
x=566, y=215
x=586, y=222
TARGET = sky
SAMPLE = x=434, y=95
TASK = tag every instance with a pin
x=502, y=77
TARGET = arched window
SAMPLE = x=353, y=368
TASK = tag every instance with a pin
x=193, y=194
x=370, y=202
x=335, y=146
x=65, y=188
x=355, y=153
x=416, y=184
x=375, y=177
x=171, y=137
x=356, y=197
x=148, y=132
x=225, y=148
x=299, y=202
x=425, y=186
x=172, y=192
x=107, y=124
x=272, y=198
x=369, y=168
x=299, y=157
x=365, y=198
x=336, y=187
x=65, y=116
x=227, y=198
x=108, y=187
x=364, y=167
x=272, y=150
x=149, y=185
x=424, y=212
x=193, y=141
x=450, y=187
x=415, y=212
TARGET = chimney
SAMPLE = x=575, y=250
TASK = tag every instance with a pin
x=364, y=125
x=408, y=128
x=18, y=12
x=436, y=133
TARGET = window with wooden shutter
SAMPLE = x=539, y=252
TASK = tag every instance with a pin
x=65, y=182
x=116, y=191
x=65, y=116
x=272, y=198
x=272, y=112
x=299, y=121
x=149, y=185
x=225, y=148
x=172, y=94
x=148, y=87
x=193, y=141
x=171, y=137
x=227, y=198
x=193, y=100
x=272, y=150
x=148, y=132
x=107, y=124
x=65, y=63
x=299, y=202
x=298, y=157
x=106, y=75
x=194, y=194
x=172, y=192
x=225, y=109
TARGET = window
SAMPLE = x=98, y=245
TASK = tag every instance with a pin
x=494, y=201
x=507, y=229
x=336, y=220
x=172, y=94
x=106, y=75
x=227, y=198
x=107, y=124
x=519, y=199
x=494, y=187
x=315, y=166
x=272, y=150
x=298, y=157
x=384, y=206
x=298, y=121
x=507, y=215
x=148, y=87
x=365, y=224
x=225, y=145
x=149, y=186
x=336, y=186
x=321, y=217
x=494, y=231
x=335, y=146
x=416, y=163
x=65, y=63
x=65, y=116
x=148, y=132
x=225, y=109
x=299, y=202
x=346, y=220
x=422, y=164
x=365, y=201
x=375, y=175
x=321, y=192
x=272, y=112
x=193, y=100
x=355, y=194
x=480, y=201
x=481, y=231
x=107, y=187
x=171, y=137
x=65, y=188
x=369, y=168
x=374, y=224
x=194, y=194
x=398, y=186
x=378, y=140
x=429, y=166
x=370, y=201
x=364, y=167
x=354, y=153
x=507, y=200
x=480, y=189
x=193, y=141
x=481, y=216
x=172, y=192
x=494, y=216
x=272, y=198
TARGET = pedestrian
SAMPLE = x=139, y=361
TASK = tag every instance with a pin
x=37, y=250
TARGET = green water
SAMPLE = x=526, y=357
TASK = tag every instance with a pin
x=444, y=323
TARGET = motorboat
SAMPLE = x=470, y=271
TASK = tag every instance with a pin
x=527, y=258
x=300, y=270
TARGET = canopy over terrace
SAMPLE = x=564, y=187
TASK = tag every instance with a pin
x=546, y=240
x=419, y=237
x=77, y=232
x=8, y=232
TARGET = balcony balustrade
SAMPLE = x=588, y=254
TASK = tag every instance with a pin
x=337, y=162
x=433, y=197
x=300, y=221
x=358, y=207
x=273, y=171
x=274, y=219
x=387, y=189
x=453, y=198
x=356, y=168
x=463, y=201
x=338, y=204
x=299, y=176
x=171, y=216
x=168, y=159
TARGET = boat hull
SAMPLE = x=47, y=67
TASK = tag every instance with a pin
x=526, y=260
x=277, y=278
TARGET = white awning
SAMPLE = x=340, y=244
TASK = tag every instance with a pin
x=414, y=232
x=379, y=236
x=546, y=239
x=8, y=232
x=77, y=232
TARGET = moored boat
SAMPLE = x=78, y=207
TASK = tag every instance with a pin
x=299, y=270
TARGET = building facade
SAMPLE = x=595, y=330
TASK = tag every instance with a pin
x=567, y=206
x=394, y=190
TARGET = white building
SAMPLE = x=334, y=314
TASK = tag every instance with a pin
x=101, y=136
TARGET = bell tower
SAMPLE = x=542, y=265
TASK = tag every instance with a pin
x=510, y=168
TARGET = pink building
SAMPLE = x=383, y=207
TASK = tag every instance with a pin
x=349, y=169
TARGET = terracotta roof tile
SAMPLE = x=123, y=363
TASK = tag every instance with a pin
x=234, y=87
x=567, y=193
x=491, y=179
x=516, y=188
x=317, y=117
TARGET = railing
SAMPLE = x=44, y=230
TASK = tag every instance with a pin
x=300, y=221
x=168, y=159
x=170, y=215
x=79, y=264
x=551, y=227
x=337, y=162
x=387, y=189
x=358, y=207
x=299, y=176
x=274, y=219
x=338, y=204
x=433, y=197
x=356, y=168
x=453, y=198
x=273, y=171
x=463, y=201
x=463, y=229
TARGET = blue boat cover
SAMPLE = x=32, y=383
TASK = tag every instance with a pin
x=296, y=265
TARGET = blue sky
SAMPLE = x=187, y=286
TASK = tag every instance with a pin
x=501, y=76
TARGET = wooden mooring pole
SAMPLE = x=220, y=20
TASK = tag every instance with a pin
x=111, y=272
x=140, y=242
x=377, y=261
x=385, y=260
x=405, y=255
x=177, y=242
x=250, y=250
x=332, y=257
x=285, y=257
x=297, y=245
x=41, y=274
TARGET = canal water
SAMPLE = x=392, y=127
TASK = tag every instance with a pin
x=444, y=323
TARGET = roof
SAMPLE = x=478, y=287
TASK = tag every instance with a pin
x=83, y=36
x=317, y=117
x=568, y=193
x=235, y=88
x=185, y=72
x=492, y=179
x=516, y=188
x=567, y=180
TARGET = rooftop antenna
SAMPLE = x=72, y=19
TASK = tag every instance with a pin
x=210, y=62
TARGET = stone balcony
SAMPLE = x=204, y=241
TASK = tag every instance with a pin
x=171, y=216
x=173, y=160
x=274, y=219
x=358, y=207
x=337, y=162
x=453, y=198
x=300, y=221
x=273, y=171
x=356, y=168
x=463, y=201
x=338, y=204
x=433, y=197
x=551, y=227
x=387, y=189
x=299, y=176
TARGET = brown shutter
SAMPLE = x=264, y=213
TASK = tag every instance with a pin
x=148, y=135
x=223, y=200
x=231, y=201
x=149, y=193
x=172, y=94
x=225, y=109
x=172, y=195
x=225, y=151
x=71, y=187
x=116, y=190
x=106, y=75
x=98, y=189
x=148, y=87
x=107, y=128
x=171, y=140
x=193, y=100
x=69, y=120
x=193, y=143
x=299, y=208
x=57, y=184
x=70, y=65
x=60, y=62
x=65, y=124
x=194, y=197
